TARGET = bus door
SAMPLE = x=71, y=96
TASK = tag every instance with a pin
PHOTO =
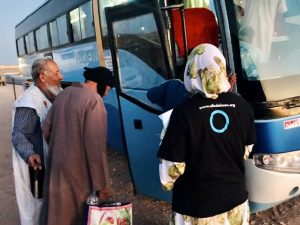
x=140, y=61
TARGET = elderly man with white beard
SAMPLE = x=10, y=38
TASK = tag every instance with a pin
x=29, y=148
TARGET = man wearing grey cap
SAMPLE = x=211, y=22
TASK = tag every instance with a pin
x=76, y=130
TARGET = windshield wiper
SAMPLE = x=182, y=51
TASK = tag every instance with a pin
x=286, y=103
x=295, y=102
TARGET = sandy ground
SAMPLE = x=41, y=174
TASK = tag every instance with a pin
x=8, y=207
x=146, y=211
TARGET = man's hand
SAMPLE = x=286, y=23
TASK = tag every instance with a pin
x=34, y=161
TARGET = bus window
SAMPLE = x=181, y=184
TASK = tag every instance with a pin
x=53, y=33
x=138, y=45
x=86, y=20
x=59, y=31
x=81, y=20
x=102, y=5
x=75, y=23
x=29, y=40
x=42, y=40
x=62, y=29
x=269, y=49
x=21, y=46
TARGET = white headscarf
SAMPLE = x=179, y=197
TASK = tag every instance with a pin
x=205, y=71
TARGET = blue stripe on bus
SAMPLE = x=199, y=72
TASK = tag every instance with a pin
x=272, y=137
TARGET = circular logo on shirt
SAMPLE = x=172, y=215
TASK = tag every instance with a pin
x=211, y=121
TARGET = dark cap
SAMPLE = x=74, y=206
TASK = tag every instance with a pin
x=100, y=75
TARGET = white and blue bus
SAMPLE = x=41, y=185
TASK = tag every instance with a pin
x=146, y=42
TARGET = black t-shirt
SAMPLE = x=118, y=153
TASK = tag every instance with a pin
x=210, y=136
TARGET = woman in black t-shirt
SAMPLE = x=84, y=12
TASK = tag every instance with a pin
x=205, y=144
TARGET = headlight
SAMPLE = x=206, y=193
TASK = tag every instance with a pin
x=283, y=162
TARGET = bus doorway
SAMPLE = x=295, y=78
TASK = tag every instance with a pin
x=139, y=54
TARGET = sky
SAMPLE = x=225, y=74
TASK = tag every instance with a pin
x=11, y=13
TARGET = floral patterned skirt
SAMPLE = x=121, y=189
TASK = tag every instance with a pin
x=236, y=216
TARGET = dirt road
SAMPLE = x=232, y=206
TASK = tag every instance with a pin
x=8, y=207
x=146, y=211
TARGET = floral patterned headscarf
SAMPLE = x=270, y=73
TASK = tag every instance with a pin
x=205, y=71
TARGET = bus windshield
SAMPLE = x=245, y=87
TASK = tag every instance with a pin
x=268, y=34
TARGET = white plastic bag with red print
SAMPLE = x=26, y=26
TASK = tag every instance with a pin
x=110, y=215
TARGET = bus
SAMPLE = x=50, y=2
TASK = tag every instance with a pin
x=146, y=42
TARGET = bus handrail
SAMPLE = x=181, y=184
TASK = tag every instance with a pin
x=178, y=6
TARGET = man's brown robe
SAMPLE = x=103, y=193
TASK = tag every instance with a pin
x=75, y=129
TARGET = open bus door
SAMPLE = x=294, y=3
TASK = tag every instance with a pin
x=140, y=61
x=144, y=55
